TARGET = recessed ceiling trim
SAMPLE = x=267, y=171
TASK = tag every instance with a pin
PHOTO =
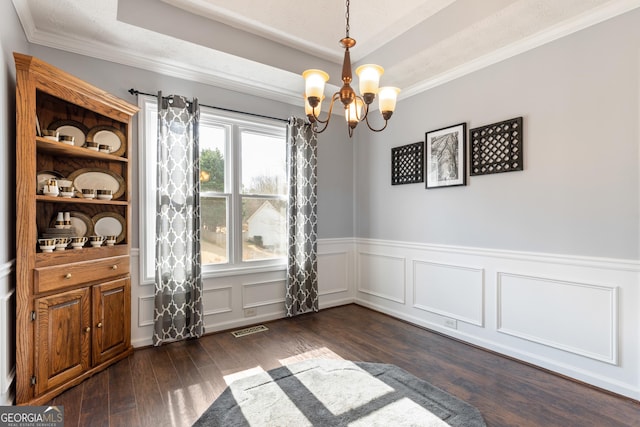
x=556, y=32
x=258, y=28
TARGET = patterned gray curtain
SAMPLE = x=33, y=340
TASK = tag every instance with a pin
x=178, y=298
x=302, y=263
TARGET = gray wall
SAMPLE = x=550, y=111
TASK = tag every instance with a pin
x=579, y=191
x=335, y=180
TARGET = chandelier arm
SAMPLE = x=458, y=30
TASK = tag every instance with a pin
x=365, y=108
x=335, y=97
x=376, y=130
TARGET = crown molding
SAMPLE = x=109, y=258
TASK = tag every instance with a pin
x=284, y=86
x=551, y=34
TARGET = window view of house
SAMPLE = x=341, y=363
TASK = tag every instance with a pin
x=243, y=199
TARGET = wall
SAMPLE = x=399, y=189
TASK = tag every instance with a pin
x=235, y=300
x=541, y=264
x=11, y=39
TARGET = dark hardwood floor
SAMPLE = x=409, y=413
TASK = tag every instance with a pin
x=173, y=384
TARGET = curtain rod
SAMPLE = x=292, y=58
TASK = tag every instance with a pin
x=137, y=92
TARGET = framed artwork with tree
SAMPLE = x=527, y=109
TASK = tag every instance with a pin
x=445, y=156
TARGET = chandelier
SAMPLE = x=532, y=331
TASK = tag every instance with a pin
x=356, y=107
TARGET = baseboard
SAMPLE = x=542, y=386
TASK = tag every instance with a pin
x=561, y=370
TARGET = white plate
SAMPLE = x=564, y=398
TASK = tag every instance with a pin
x=108, y=135
x=97, y=179
x=70, y=127
x=109, y=224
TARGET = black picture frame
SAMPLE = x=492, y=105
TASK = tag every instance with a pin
x=445, y=156
x=407, y=164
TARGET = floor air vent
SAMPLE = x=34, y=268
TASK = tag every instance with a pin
x=249, y=331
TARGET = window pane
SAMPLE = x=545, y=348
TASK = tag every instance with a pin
x=263, y=164
x=214, y=244
x=212, y=155
x=263, y=228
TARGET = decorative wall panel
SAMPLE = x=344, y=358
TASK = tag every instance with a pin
x=544, y=310
x=217, y=300
x=497, y=147
x=382, y=276
x=263, y=293
x=407, y=164
x=449, y=290
x=335, y=272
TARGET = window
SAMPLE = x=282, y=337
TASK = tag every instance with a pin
x=243, y=190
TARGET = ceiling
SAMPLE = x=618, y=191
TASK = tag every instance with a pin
x=261, y=47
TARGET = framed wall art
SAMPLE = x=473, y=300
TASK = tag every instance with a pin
x=407, y=164
x=496, y=148
x=445, y=156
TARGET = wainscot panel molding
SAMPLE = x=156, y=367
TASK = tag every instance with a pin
x=589, y=329
x=234, y=300
x=574, y=315
x=7, y=326
x=437, y=287
x=382, y=276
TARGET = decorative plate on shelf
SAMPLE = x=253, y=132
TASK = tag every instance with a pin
x=71, y=127
x=98, y=179
x=43, y=176
x=81, y=222
x=109, y=135
x=110, y=224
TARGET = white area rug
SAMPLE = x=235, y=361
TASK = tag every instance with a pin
x=337, y=393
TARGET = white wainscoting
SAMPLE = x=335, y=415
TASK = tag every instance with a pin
x=233, y=301
x=588, y=328
x=577, y=316
x=7, y=335
x=382, y=276
x=437, y=289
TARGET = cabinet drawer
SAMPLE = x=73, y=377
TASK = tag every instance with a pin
x=47, y=279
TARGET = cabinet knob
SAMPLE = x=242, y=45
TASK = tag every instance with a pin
x=67, y=276
x=99, y=325
x=114, y=267
x=88, y=329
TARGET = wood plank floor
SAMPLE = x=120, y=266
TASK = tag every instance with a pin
x=173, y=384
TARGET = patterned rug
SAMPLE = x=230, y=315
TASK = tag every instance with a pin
x=337, y=393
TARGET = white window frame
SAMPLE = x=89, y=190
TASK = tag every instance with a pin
x=235, y=124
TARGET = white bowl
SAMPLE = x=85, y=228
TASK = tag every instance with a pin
x=66, y=195
x=61, y=246
x=96, y=244
x=47, y=248
x=77, y=245
x=105, y=196
x=89, y=196
x=110, y=242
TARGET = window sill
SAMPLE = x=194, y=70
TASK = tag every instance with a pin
x=208, y=273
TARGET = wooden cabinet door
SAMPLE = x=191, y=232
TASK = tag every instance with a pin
x=63, y=338
x=111, y=319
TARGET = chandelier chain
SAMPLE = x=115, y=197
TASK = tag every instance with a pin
x=346, y=15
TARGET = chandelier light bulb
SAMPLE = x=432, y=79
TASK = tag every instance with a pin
x=353, y=112
x=387, y=97
x=314, y=85
x=369, y=78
